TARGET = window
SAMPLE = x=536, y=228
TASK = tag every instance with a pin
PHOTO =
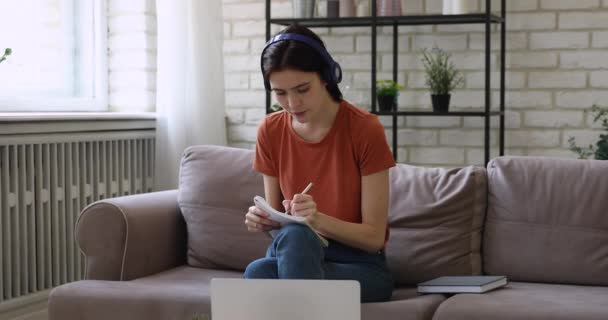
x=59, y=58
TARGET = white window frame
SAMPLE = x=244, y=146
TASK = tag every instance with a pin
x=99, y=101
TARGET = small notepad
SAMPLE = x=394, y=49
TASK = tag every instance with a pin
x=283, y=218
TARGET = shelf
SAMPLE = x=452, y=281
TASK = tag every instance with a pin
x=482, y=18
x=474, y=18
x=436, y=114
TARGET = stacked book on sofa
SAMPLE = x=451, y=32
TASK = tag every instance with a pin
x=462, y=284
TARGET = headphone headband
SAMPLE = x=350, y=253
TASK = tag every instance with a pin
x=333, y=73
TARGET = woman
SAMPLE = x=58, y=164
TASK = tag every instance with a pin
x=322, y=139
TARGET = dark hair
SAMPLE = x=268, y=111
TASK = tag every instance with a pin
x=290, y=54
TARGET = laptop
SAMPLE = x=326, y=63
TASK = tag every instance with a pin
x=261, y=299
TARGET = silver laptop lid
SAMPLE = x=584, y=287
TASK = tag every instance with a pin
x=257, y=299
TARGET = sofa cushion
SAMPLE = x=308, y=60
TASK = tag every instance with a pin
x=179, y=293
x=528, y=301
x=216, y=186
x=405, y=304
x=176, y=294
x=547, y=220
x=436, y=216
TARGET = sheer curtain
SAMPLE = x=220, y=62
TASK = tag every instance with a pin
x=190, y=82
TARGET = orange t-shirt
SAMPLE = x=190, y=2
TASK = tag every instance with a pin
x=355, y=146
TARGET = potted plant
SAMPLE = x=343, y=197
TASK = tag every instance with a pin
x=600, y=151
x=441, y=77
x=387, y=92
x=7, y=52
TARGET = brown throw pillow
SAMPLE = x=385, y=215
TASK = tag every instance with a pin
x=216, y=186
x=435, y=219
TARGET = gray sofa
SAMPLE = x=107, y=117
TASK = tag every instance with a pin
x=542, y=222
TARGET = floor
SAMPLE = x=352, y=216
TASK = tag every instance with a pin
x=36, y=312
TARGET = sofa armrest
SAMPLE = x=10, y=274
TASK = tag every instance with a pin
x=133, y=236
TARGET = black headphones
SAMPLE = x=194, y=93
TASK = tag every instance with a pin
x=333, y=72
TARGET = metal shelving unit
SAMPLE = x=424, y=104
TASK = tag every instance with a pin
x=487, y=19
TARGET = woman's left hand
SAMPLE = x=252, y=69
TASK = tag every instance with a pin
x=302, y=205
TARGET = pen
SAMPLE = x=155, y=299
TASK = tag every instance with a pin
x=303, y=192
x=307, y=188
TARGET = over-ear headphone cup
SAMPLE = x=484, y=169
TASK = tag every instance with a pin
x=334, y=73
x=337, y=71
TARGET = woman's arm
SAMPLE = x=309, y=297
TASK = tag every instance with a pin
x=272, y=192
x=255, y=219
x=370, y=234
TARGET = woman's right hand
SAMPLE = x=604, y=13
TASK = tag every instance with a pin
x=256, y=221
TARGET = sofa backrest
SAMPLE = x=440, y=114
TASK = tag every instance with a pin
x=436, y=218
x=547, y=220
x=216, y=186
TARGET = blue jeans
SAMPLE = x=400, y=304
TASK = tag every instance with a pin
x=297, y=253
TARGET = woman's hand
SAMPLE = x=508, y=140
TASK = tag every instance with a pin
x=303, y=205
x=255, y=220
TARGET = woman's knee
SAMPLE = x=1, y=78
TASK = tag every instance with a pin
x=264, y=268
x=298, y=233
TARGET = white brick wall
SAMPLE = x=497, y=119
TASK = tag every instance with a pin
x=527, y=99
x=584, y=60
x=557, y=79
x=597, y=19
x=533, y=138
x=553, y=119
x=415, y=137
x=531, y=21
x=240, y=10
x=514, y=41
x=384, y=43
x=472, y=138
x=449, y=42
x=436, y=156
x=512, y=121
x=132, y=55
x=599, y=79
x=568, y=4
x=558, y=40
x=242, y=133
x=476, y=80
x=556, y=69
x=513, y=5
x=599, y=39
x=580, y=99
x=531, y=60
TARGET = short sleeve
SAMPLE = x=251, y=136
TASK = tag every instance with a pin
x=263, y=161
x=374, y=153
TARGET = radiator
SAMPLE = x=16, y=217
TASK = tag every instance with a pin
x=45, y=181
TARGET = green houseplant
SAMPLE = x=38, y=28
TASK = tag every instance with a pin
x=441, y=77
x=387, y=92
x=600, y=150
x=7, y=52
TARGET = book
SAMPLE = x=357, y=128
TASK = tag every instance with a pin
x=284, y=218
x=462, y=284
